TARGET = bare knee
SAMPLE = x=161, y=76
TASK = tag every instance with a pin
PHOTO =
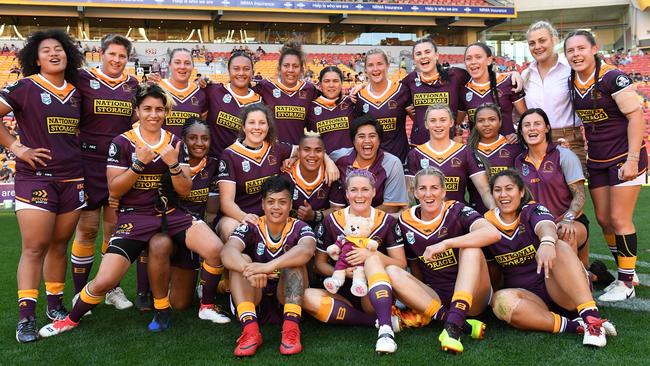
x=160, y=246
x=311, y=300
x=87, y=228
x=396, y=274
x=102, y=284
x=34, y=251
x=504, y=304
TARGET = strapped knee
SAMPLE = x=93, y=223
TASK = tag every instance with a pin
x=504, y=304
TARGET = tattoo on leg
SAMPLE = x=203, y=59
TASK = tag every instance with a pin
x=294, y=285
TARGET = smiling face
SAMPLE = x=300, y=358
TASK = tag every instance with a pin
x=181, y=67
x=507, y=195
x=330, y=85
x=477, y=62
x=425, y=57
x=290, y=70
x=197, y=139
x=277, y=207
x=541, y=44
x=311, y=153
x=256, y=127
x=240, y=72
x=151, y=113
x=114, y=59
x=487, y=123
x=51, y=57
x=439, y=123
x=366, y=142
x=430, y=192
x=534, y=129
x=580, y=53
x=376, y=68
x=359, y=193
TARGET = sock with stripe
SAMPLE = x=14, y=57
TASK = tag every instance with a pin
x=588, y=309
x=87, y=301
x=610, y=239
x=142, y=274
x=54, y=292
x=210, y=277
x=82, y=258
x=380, y=294
x=27, y=303
x=161, y=304
x=564, y=325
x=626, y=245
x=247, y=315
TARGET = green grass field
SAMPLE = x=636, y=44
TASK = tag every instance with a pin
x=110, y=336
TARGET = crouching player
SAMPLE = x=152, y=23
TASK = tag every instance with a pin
x=449, y=277
x=268, y=259
x=542, y=276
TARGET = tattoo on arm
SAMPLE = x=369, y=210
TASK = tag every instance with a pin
x=578, y=201
x=294, y=285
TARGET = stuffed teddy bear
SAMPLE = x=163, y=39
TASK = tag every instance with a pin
x=356, y=232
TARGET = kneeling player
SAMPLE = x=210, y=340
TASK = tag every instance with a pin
x=449, y=277
x=268, y=259
x=542, y=276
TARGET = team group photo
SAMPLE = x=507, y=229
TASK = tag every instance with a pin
x=388, y=182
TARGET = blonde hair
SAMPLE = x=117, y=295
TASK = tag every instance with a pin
x=377, y=51
x=543, y=24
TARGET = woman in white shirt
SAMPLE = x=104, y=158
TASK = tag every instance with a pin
x=546, y=86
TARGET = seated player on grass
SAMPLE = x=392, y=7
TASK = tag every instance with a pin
x=266, y=262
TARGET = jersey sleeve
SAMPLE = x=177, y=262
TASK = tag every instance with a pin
x=395, y=188
x=184, y=154
x=324, y=236
x=467, y=216
x=15, y=95
x=119, y=155
x=474, y=163
x=284, y=150
x=515, y=96
x=304, y=231
x=336, y=194
x=337, y=154
x=412, y=164
x=537, y=213
x=226, y=172
x=571, y=167
x=243, y=234
x=394, y=234
x=617, y=81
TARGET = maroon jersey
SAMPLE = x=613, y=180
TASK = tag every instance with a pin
x=204, y=185
x=259, y=245
x=390, y=184
x=318, y=194
x=224, y=109
x=143, y=195
x=389, y=109
x=458, y=162
x=106, y=110
x=475, y=94
x=605, y=125
x=188, y=102
x=288, y=105
x=455, y=219
x=435, y=91
x=332, y=121
x=500, y=155
x=248, y=169
x=48, y=117
x=515, y=252
x=549, y=180
x=384, y=230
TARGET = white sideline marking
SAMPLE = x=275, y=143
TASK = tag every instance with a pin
x=611, y=259
x=636, y=304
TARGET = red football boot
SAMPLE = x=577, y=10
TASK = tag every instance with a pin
x=249, y=341
x=290, y=344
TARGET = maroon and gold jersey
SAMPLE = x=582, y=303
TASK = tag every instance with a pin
x=121, y=152
x=332, y=121
x=224, y=109
x=248, y=169
x=288, y=106
x=318, y=194
x=260, y=246
x=384, y=230
x=435, y=91
x=605, y=125
x=500, y=155
x=389, y=109
x=204, y=185
x=474, y=94
x=106, y=110
x=390, y=184
x=458, y=162
x=549, y=179
x=48, y=117
x=515, y=252
x=188, y=102
x=455, y=219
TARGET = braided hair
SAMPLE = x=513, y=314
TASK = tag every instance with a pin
x=595, y=90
